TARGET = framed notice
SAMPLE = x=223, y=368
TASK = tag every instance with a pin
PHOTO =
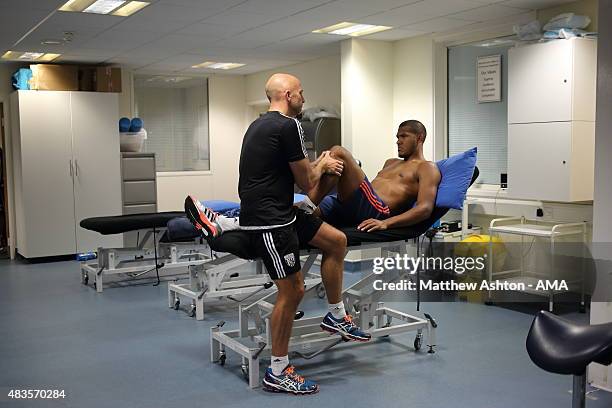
x=488, y=74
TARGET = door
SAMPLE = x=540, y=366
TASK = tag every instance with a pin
x=45, y=160
x=540, y=82
x=97, y=181
x=539, y=161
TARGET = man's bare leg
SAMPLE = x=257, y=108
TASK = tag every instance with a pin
x=332, y=244
x=290, y=293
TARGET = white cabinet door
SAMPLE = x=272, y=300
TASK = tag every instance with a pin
x=540, y=82
x=539, y=161
x=97, y=182
x=46, y=174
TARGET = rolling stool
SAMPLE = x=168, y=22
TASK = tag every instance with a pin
x=559, y=346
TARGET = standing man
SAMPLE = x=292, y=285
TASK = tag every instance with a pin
x=272, y=159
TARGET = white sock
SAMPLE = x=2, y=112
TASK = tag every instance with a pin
x=337, y=310
x=227, y=223
x=278, y=364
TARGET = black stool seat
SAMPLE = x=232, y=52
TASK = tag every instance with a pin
x=563, y=347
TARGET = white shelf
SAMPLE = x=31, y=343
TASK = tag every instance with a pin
x=537, y=230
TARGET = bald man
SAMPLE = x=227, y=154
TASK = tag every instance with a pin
x=272, y=159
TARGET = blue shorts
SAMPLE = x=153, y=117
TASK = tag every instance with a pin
x=363, y=204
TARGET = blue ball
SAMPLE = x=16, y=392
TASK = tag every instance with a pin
x=124, y=125
x=136, y=125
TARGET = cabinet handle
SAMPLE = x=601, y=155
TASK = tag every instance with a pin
x=76, y=167
x=70, y=165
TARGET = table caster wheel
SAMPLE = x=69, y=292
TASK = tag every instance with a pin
x=177, y=304
x=222, y=358
x=245, y=371
x=192, y=311
x=86, y=280
x=418, y=342
x=582, y=309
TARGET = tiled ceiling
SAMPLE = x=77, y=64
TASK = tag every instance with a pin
x=170, y=36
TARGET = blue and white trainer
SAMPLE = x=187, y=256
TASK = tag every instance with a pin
x=344, y=327
x=289, y=382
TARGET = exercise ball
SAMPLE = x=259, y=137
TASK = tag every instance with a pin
x=124, y=125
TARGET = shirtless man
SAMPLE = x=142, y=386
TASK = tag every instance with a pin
x=389, y=200
x=403, y=193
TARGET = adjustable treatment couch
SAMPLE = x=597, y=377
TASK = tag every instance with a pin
x=252, y=340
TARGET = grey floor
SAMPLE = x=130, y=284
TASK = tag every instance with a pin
x=125, y=348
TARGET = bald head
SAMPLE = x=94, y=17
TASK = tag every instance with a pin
x=278, y=84
x=284, y=92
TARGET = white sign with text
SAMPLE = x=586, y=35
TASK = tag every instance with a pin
x=489, y=78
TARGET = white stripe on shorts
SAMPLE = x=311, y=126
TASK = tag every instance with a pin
x=267, y=236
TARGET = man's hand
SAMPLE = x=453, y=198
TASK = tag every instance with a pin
x=330, y=165
x=372, y=225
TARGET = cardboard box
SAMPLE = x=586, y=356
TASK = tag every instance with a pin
x=108, y=79
x=47, y=77
x=86, y=79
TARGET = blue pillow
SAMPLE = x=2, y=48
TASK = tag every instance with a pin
x=456, y=172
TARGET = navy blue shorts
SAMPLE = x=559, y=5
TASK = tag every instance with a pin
x=363, y=204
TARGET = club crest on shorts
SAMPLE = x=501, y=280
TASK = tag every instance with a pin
x=290, y=259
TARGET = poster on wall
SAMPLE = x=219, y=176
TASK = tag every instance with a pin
x=489, y=78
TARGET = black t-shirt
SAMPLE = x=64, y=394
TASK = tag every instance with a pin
x=266, y=182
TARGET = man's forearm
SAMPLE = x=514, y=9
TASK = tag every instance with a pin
x=316, y=172
x=410, y=217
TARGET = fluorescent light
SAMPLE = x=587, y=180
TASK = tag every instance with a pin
x=48, y=57
x=352, y=29
x=10, y=55
x=76, y=5
x=122, y=8
x=30, y=56
x=104, y=6
x=218, y=65
x=130, y=8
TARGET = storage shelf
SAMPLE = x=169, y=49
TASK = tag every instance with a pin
x=537, y=230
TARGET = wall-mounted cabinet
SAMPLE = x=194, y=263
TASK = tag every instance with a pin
x=551, y=120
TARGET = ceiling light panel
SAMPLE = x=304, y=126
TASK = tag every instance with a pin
x=29, y=56
x=122, y=8
x=104, y=6
x=130, y=8
x=218, y=65
x=352, y=29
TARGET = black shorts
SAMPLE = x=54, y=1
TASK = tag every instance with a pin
x=279, y=248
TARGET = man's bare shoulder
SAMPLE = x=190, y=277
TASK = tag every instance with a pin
x=428, y=168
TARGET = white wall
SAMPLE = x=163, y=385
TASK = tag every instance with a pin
x=320, y=80
x=367, y=102
x=602, y=222
x=227, y=124
x=413, y=85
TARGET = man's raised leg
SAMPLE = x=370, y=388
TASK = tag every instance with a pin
x=352, y=174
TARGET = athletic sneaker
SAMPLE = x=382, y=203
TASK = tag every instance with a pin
x=203, y=218
x=344, y=327
x=289, y=381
